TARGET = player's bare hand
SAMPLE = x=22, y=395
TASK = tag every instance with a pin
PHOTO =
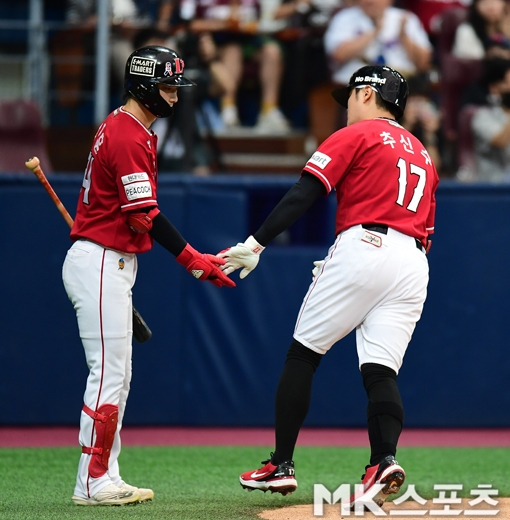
x=243, y=255
x=204, y=267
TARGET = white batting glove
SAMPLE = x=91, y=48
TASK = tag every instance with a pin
x=318, y=264
x=242, y=255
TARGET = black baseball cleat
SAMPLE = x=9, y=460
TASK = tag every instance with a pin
x=277, y=479
x=387, y=473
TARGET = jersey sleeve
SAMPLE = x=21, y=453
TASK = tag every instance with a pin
x=135, y=169
x=430, y=223
x=333, y=158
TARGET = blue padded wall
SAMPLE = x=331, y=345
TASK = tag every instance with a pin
x=216, y=354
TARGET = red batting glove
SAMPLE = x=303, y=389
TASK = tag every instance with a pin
x=204, y=266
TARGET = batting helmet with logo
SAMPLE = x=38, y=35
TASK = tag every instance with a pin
x=146, y=68
x=390, y=84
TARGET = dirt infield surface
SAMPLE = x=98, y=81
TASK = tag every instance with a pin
x=501, y=511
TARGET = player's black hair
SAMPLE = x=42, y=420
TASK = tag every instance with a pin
x=389, y=107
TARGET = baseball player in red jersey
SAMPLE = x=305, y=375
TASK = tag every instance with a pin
x=373, y=279
x=118, y=217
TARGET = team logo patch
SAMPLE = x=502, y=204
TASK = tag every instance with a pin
x=134, y=177
x=138, y=190
x=371, y=238
x=121, y=263
x=143, y=66
x=320, y=159
x=137, y=185
x=178, y=66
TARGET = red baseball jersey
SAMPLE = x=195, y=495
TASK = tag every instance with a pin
x=382, y=174
x=121, y=176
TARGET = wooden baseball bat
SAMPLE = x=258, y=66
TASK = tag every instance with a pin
x=141, y=330
x=35, y=165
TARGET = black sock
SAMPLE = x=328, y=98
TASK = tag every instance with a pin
x=383, y=431
x=385, y=413
x=293, y=399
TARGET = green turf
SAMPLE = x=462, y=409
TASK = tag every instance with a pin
x=201, y=483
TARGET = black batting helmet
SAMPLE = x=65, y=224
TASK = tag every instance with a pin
x=390, y=84
x=146, y=68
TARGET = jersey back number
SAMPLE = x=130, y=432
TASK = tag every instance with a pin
x=405, y=170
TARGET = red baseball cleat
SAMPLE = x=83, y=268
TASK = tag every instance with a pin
x=387, y=473
x=277, y=479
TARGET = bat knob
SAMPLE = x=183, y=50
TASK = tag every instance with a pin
x=32, y=163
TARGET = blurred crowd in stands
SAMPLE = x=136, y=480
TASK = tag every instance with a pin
x=268, y=67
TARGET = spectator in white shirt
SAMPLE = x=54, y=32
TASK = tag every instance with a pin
x=486, y=31
x=375, y=32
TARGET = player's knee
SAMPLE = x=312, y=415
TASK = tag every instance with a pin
x=299, y=352
x=374, y=374
x=382, y=390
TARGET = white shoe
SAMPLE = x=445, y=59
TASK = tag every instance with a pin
x=273, y=122
x=230, y=116
x=110, y=495
x=145, y=494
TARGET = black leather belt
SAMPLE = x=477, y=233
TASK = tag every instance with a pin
x=381, y=228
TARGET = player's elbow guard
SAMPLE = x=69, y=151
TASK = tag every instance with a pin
x=142, y=222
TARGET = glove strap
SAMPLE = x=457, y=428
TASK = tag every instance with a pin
x=253, y=245
x=186, y=255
